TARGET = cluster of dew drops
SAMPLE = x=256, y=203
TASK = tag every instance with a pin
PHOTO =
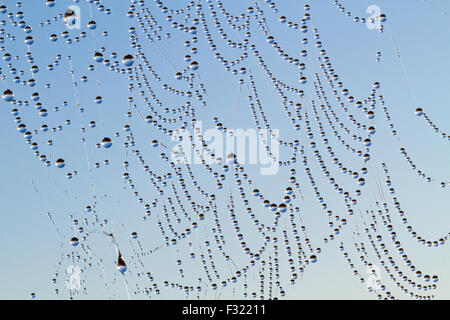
x=234, y=240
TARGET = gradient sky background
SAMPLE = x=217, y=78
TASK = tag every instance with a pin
x=29, y=244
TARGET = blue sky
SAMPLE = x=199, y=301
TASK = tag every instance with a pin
x=33, y=249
